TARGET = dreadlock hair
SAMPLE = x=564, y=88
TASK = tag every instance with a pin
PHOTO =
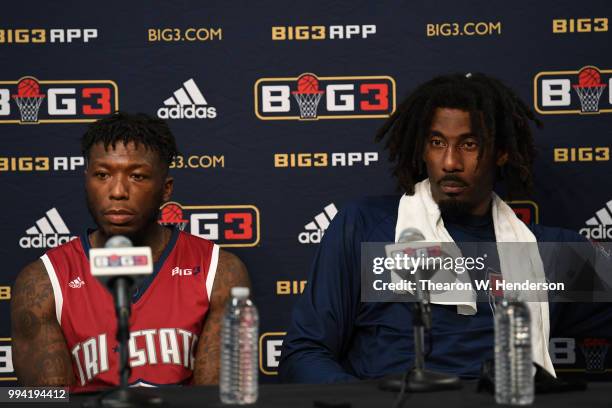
x=139, y=128
x=499, y=119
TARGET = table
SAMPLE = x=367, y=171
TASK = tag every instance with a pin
x=363, y=394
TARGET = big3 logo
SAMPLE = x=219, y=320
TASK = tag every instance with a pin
x=226, y=225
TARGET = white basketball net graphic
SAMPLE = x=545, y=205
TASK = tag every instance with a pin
x=589, y=97
x=308, y=103
x=28, y=107
x=595, y=356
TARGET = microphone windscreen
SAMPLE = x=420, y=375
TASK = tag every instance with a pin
x=118, y=241
x=411, y=234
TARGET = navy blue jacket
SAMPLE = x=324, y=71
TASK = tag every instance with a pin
x=335, y=337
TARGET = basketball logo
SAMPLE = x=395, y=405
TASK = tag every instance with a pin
x=28, y=87
x=308, y=83
x=308, y=96
x=589, y=89
x=584, y=91
x=28, y=99
x=595, y=351
x=172, y=215
x=589, y=77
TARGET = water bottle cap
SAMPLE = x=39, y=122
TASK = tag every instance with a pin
x=240, y=292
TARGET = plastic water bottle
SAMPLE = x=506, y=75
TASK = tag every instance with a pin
x=239, y=334
x=513, y=360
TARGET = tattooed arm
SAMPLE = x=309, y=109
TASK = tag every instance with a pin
x=40, y=354
x=230, y=272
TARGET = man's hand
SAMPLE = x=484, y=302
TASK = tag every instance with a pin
x=40, y=354
x=230, y=272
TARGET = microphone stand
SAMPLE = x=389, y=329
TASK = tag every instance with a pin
x=123, y=396
x=418, y=378
x=122, y=309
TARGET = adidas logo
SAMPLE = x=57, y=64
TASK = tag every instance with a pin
x=187, y=103
x=315, y=229
x=48, y=232
x=600, y=226
x=76, y=283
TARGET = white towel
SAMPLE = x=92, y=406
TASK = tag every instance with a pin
x=518, y=262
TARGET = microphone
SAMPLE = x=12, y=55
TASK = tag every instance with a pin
x=119, y=258
x=118, y=266
x=411, y=243
x=411, y=234
x=118, y=241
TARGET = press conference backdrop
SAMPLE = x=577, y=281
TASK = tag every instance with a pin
x=269, y=155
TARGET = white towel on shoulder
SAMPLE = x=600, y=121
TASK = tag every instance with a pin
x=518, y=262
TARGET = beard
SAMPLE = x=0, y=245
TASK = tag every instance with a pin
x=454, y=208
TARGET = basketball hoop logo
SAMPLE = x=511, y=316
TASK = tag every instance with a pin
x=225, y=225
x=584, y=91
x=28, y=99
x=172, y=215
x=346, y=97
x=595, y=351
x=589, y=89
x=308, y=96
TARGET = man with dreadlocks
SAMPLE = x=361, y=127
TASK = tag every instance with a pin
x=451, y=140
x=63, y=322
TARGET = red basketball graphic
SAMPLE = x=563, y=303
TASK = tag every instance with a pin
x=308, y=84
x=28, y=99
x=589, y=89
x=592, y=342
x=589, y=77
x=171, y=213
x=28, y=87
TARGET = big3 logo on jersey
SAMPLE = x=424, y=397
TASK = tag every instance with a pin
x=308, y=97
x=226, y=225
x=31, y=101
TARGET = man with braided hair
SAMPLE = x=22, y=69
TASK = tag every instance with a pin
x=63, y=319
x=498, y=123
x=451, y=140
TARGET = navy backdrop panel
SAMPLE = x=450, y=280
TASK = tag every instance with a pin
x=228, y=76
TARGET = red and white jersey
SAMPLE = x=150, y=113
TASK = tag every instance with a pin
x=168, y=312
